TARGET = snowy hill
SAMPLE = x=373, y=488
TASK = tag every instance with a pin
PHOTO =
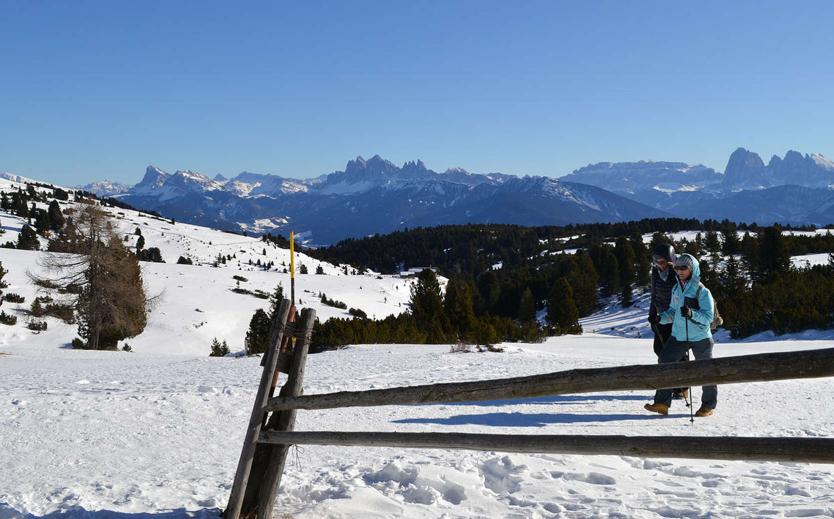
x=196, y=301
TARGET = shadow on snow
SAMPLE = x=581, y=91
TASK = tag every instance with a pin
x=531, y=420
x=78, y=512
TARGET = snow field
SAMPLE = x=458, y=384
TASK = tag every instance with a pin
x=135, y=433
x=196, y=303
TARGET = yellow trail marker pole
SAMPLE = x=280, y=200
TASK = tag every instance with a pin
x=292, y=267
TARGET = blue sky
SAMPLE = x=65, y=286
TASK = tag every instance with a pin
x=92, y=90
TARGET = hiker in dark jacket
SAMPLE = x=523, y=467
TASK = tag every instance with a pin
x=663, y=280
x=690, y=312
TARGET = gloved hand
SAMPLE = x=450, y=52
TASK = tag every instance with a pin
x=654, y=318
x=686, y=312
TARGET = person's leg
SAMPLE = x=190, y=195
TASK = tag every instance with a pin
x=658, y=342
x=709, y=394
x=672, y=352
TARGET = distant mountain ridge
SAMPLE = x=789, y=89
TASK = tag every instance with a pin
x=374, y=196
x=795, y=189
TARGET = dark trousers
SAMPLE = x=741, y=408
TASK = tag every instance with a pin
x=673, y=350
x=662, y=332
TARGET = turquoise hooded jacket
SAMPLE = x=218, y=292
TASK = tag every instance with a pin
x=698, y=327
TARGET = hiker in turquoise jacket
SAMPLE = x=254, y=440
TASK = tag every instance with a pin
x=691, y=312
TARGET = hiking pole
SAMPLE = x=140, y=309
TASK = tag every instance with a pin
x=691, y=416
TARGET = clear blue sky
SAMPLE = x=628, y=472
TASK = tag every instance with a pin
x=100, y=89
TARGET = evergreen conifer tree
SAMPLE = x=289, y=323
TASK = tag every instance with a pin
x=275, y=300
x=28, y=239
x=56, y=217
x=774, y=256
x=527, y=306
x=426, y=307
x=459, y=309
x=611, y=279
x=257, y=337
x=561, y=309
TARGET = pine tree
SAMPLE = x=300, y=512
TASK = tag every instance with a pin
x=27, y=239
x=625, y=260
x=583, y=280
x=426, y=307
x=561, y=309
x=257, y=337
x=56, y=217
x=626, y=299
x=275, y=300
x=458, y=308
x=611, y=279
x=527, y=306
x=774, y=255
x=106, y=278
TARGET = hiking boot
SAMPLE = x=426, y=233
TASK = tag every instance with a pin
x=703, y=412
x=681, y=394
x=657, y=408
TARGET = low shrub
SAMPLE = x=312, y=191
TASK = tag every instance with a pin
x=13, y=298
x=218, y=349
x=36, y=326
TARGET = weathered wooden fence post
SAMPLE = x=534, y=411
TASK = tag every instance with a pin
x=247, y=455
x=262, y=464
x=275, y=456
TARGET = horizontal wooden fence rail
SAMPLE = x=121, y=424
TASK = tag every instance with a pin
x=804, y=450
x=746, y=368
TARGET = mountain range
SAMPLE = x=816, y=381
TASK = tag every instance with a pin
x=371, y=196
x=795, y=189
x=376, y=196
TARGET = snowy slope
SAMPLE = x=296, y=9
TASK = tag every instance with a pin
x=130, y=433
x=196, y=302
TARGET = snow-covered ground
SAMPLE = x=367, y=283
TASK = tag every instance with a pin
x=139, y=433
x=809, y=260
x=159, y=431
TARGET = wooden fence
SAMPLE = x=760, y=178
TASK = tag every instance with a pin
x=269, y=436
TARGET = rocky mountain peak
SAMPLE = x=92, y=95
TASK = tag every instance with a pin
x=745, y=168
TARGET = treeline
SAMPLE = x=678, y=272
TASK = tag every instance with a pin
x=434, y=318
x=756, y=287
x=514, y=271
x=471, y=249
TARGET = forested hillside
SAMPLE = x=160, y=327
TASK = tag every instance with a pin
x=514, y=271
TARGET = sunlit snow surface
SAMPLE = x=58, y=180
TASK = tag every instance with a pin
x=158, y=432
x=147, y=432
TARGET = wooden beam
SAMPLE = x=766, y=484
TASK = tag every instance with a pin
x=802, y=450
x=276, y=458
x=728, y=370
x=247, y=454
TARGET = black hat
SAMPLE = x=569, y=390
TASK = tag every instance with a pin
x=664, y=251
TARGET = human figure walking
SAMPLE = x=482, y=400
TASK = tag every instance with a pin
x=663, y=280
x=690, y=312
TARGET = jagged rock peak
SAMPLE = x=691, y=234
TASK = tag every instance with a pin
x=154, y=175
x=743, y=163
x=220, y=178
x=414, y=165
x=744, y=158
x=375, y=164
